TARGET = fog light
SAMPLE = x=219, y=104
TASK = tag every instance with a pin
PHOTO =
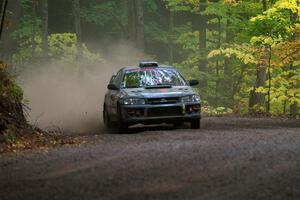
x=138, y=113
x=130, y=111
x=196, y=107
x=192, y=108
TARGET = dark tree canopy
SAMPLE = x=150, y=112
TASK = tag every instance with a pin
x=244, y=53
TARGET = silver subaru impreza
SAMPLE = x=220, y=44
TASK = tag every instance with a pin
x=150, y=94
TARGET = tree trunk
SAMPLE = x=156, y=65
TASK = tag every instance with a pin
x=256, y=98
x=228, y=83
x=123, y=32
x=131, y=20
x=170, y=43
x=9, y=46
x=3, y=7
x=136, y=23
x=264, y=4
x=202, y=40
x=45, y=29
x=33, y=30
x=218, y=80
x=268, y=106
x=294, y=108
x=140, y=35
x=78, y=31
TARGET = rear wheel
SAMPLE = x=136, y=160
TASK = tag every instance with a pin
x=195, y=124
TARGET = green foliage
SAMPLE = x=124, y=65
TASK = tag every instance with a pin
x=181, y=5
x=155, y=32
x=16, y=92
x=240, y=38
x=9, y=136
x=62, y=47
x=284, y=90
x=104, y=13
x=189, y=41
x=25, y=29
x=11, y=112
x=244, y=56
x=274, y=25
x=10, y=91
x=209, y=110
x=26, y=4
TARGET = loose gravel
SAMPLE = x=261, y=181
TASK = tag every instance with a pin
x=229, y=158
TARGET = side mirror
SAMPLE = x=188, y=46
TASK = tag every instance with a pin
x=193, y=82
x=112, y=87
x=112, y=78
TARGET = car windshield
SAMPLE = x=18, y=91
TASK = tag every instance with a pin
x=148, y=77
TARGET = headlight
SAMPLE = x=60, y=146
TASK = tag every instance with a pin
x=191, y=98
x=133, y=101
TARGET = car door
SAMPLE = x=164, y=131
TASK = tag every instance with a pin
x=107, y=101
x=113, y=95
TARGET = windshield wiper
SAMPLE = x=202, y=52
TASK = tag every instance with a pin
x=131, y=87
x=158, y=86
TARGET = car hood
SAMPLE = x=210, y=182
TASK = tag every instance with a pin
x=175, y=91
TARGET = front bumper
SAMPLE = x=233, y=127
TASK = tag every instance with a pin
x=161, y=113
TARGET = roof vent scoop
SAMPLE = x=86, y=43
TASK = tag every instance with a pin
x=148, y=64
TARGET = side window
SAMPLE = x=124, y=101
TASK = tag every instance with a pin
x=117, y=80
x=112, y=79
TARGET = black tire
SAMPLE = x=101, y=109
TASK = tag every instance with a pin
x=106, y=119
x=122, y=126
x=195, y=124
x=178, y=125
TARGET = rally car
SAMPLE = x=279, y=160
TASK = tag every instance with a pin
x=150, y=94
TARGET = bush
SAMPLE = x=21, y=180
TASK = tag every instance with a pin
x=11, y=96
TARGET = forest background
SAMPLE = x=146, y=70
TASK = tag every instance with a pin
x=245, y=53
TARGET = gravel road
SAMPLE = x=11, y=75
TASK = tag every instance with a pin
x=229, y=158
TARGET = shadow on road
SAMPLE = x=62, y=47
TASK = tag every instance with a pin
x=141, y=128
x=207, y=123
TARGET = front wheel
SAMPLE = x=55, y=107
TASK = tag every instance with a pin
x=106, y=118
x=178, y=125
x=195, y=124
x=122, y=126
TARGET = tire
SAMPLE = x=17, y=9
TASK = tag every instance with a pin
x=106, y=119
x=178, y=125
x=195, y=124
x=122, y=126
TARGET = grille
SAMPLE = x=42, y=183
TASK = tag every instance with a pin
x=167, y=100
x=164, y=111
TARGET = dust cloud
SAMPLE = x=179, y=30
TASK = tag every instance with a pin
x=63, y=98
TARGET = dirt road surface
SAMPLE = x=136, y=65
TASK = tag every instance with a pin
x=229, y=158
